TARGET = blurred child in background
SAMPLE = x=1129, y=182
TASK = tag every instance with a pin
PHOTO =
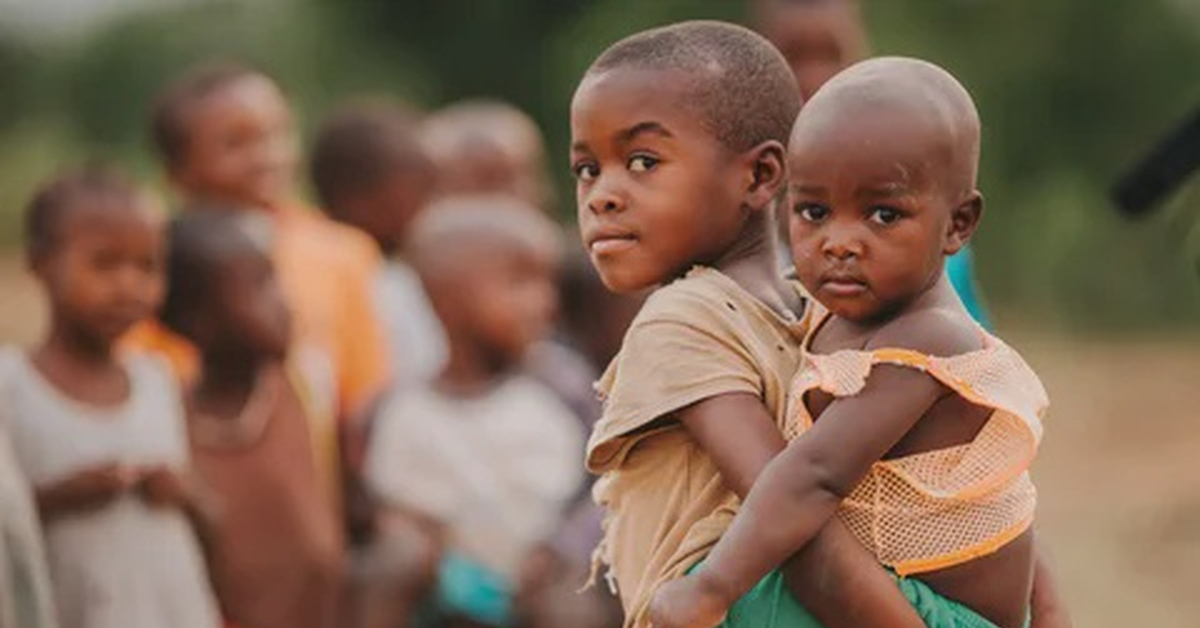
x=489, y=147
x=820, y=38
x=274, y=546
x=101, y=437
x=371, y=171
x=484, y=458
x=226, y=137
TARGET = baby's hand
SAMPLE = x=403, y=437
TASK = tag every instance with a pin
x=687, y=603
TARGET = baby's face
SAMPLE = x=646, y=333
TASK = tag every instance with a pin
x=241, y=146
x=656, y=191
x=869, y=212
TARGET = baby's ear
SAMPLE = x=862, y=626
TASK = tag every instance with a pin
x=768, y=171
x=964, y=218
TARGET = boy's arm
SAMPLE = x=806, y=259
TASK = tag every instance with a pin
x=1047, y=609
x=837, y=579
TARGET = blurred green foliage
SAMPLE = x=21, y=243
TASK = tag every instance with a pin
x=1070, y=91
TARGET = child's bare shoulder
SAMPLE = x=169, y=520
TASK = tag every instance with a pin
x=933, y=331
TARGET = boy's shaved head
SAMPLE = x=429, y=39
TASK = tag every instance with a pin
x=457, y=234
x=488, y=147
x=740, y=83
x=902, y=91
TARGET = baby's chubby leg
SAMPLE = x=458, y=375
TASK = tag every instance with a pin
x=837, y=580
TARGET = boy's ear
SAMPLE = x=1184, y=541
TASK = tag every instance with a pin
x=768, y=171
x=964, y=218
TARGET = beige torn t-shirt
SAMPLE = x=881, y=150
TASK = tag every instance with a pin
x=694, y=339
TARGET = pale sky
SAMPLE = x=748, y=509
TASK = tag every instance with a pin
x=71, y=17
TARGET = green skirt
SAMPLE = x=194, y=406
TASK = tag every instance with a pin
x=771, y=605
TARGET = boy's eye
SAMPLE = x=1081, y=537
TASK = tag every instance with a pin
x=585, y=171
x=642, y=163
x=885, y=215
x=812, y=212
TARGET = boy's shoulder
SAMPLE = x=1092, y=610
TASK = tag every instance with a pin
x=703, y=296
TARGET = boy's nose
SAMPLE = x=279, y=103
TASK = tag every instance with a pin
x=604, y=199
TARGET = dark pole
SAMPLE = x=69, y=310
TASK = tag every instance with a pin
x=1162, y=171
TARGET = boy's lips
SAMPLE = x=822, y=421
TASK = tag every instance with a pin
x=607, y=240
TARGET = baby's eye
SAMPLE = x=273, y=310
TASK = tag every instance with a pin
x=642, y=163
x=812, y=212
x=885, y=215
x=585, y=171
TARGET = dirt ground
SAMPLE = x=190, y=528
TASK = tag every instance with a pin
x=1119, y=470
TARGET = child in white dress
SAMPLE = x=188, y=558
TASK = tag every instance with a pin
x=100, y=436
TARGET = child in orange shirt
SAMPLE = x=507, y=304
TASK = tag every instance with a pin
x=226, y=137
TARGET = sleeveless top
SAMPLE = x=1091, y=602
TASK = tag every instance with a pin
x=125, y=564
x=936, y=509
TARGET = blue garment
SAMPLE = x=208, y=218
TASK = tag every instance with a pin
x=962, y=276
x=469, y=589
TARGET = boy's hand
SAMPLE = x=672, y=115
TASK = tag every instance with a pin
x=90, y=488
x=162, y=487
x=101, y=484
x=687, y=603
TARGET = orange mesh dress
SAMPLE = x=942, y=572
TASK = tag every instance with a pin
x=936, y=509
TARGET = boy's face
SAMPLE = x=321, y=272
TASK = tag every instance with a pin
x=104, y=273
x=512, y=301
x=249, y=312
x=241, y=146
x=871, y=216
x=656, y=191
x=818, y=41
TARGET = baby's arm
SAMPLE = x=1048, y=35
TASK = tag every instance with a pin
x=800, y=490
x=834, y=577
x=87, y=489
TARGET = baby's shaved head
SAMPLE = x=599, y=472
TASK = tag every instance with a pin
x=902, y=91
